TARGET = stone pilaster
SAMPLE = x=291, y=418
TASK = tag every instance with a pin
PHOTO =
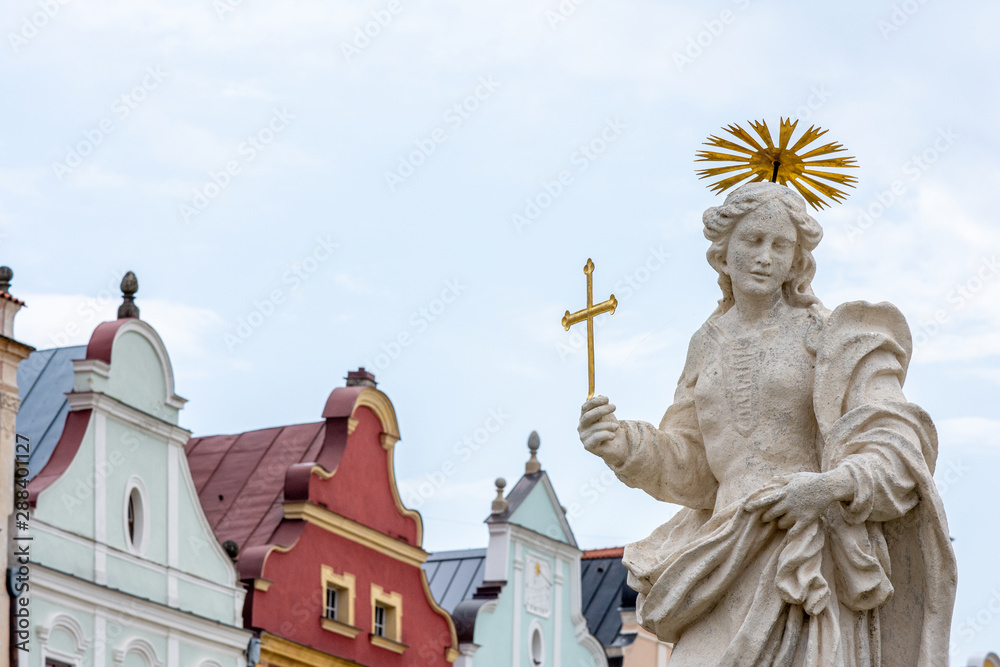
x=12, y=353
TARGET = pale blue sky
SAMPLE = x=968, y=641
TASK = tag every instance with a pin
x=237, y=161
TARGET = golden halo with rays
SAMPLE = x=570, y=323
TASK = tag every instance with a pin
x=779, y=164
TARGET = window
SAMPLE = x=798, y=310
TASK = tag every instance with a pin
x=49, y=662
x=338, y=602
x=135, y=519
x=331, y=602
x=379, y=628
x=536, y=646
x=387, y=619
x=131, y=518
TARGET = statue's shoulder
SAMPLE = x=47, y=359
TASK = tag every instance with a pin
x=864, y=319
x=852, y=333
x=700, y=346
x=858, y=341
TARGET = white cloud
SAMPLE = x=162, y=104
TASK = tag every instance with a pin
x=59, y=320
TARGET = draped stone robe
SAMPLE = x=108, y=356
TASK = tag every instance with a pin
x=873, y=581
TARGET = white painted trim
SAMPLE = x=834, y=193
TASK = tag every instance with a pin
x=518, y=572
x=101, y=402
x=101, y=601
x=208, y=662
x=100, y=622
x=186, y=577
x=173, y=650
x=140, y=646
x=465, y=654
x=100, y=481
x=96, y=366
x=141, y=544
x=100, y=564
x=557, y=587
x=61, y=621
x=63, y=589
x=497, y=552
x=173, y=589
x=184, y=476
x=173, y=509
x=543, y=543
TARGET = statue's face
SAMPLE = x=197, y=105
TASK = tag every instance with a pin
x=761, y=250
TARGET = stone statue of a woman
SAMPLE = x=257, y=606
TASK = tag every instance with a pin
x=812, y=533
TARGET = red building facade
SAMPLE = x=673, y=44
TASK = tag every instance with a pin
x=331, y=558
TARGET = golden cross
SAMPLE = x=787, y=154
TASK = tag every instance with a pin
x=589, y=313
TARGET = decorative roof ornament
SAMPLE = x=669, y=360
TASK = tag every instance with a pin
x=533, y=465
x=130, y=285
x=6, y=274
x=500, y=503
x=763, y=161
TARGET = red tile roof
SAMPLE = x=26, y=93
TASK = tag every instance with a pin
x=8, y=297
x=610, y=552
x=241, y=478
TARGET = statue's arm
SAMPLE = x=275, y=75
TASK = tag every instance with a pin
x=668, y=462
x=880, y=444
x=883, y=451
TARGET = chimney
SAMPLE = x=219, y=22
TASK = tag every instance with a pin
x=9, y=305
x=360, y=378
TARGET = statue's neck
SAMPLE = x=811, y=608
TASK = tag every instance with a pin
x=754, y=310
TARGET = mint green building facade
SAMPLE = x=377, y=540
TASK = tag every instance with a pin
x=125, y=569
x=525, y=609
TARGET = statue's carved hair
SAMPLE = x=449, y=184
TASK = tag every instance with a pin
x=720, y=221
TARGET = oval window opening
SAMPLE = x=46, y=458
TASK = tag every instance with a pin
x=134, y=519
x=537, y=650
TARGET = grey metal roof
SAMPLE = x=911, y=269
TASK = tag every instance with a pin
x=455, y=575
x=43, y=379
x=601, y=589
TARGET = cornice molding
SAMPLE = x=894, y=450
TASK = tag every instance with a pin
x=280, y=652
x=235, y=589
x=61, y=588
x=356, y=532
x=95, y=400
x=95, y=366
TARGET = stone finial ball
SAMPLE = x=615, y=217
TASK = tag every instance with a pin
x=501, y=482
x=534, y=442
x=6, y=274
x=130, y=284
